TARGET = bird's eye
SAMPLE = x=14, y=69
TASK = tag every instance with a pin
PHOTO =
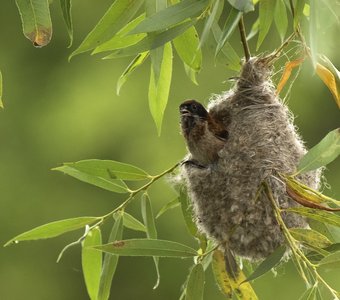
x=194, y=106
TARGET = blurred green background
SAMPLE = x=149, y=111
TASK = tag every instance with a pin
x=57, y=112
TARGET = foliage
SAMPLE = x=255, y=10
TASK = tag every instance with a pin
x=152, y=30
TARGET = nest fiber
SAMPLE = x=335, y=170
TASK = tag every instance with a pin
x=262, y=142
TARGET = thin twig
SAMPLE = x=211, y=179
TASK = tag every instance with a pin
x=244, y=39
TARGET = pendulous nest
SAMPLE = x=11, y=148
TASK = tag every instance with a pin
x=262, y=142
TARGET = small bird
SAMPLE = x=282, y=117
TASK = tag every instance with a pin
x=205, y=134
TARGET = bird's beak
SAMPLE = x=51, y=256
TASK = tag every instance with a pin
x=184, y=111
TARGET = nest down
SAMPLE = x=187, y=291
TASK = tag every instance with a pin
x=262, y=142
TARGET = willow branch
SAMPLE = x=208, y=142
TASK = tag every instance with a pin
x=244, y=39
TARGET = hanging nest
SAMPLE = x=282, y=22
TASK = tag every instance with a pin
x=262, y=142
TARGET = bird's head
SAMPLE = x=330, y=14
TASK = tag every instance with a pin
x=192, y=108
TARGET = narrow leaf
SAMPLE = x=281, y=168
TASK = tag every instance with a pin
x=213, y=18
x=187, y=48
x=267, y=7
x=191, y=73
x=310, y=237
x=298, y=11
x=318, y=215
x=152, y=41
x=122, y=38
x=229, y=284
x=110, y=261
x=170, y=205
x=151, y=231
x=66, y=6
x=36, y=21
x=132, y=223
x=331, y=261
x=313, y=32
x=170, y=16
x=269, y=263
x=330, y=81
x=159, y=91
x=112, y=185
x=322, y=154
x=147, y=247
x=289, y=66
x=53, y=229
x=187, y=212
x=254, y=30
x=231, y=58
x=195, y=285
x=229, y=27
x=109, y=169
x=280, y=18
x=336, y=73
x=119, y=14
x=92, y=262
x=1, y=103
x=134, y=64
x=242, y=5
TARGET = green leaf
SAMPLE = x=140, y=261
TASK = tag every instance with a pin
x=170, y=205
x=110, y=261
x=132, y=223
x=266, y=16
x=242, y=5
x=172, y=15
x=187, y=212
x=310, y=237
x=152, y=41
x=148, y=247
x=331, y=261
x=231, y=284
x=66, y=7
x=122, y=38
x=53, y=229
x=191, y=73
x=269, y=263
x=1, y=104
x=298, y=11
x=113, y=185
x=309, y=294
x=187, y=48
x=151, y=231
x=229, y=27
x=321, y=154
x=213, y=18
x=313, y=31
x=280, y=17
x=231, y=58
x=109, y=169
x=134, y=64
x=36, y=21
x=254, y=30
x=119, y=13
x=195, y=285
x=159, y=91
x=316, y=214
x=92, y=262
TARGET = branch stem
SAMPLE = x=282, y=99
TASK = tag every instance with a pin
x=244, y=39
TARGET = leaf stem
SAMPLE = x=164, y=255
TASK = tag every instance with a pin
x=244, y=39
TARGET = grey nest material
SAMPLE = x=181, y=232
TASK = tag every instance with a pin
x=262, y=142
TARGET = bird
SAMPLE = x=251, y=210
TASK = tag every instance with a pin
x=205, y=133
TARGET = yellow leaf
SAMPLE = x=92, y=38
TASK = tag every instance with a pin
x=289, y=66
x=231, y=283
x=329, y=80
